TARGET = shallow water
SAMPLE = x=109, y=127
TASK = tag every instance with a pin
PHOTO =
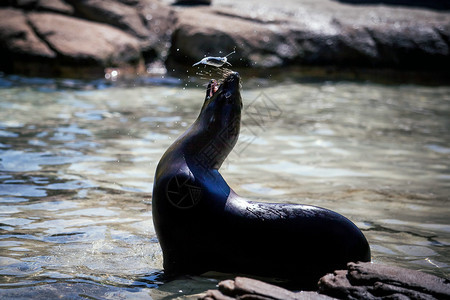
x=77, y=163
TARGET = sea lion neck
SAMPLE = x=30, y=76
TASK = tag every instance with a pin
x=213, y=135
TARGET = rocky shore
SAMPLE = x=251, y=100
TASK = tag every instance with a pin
x=360, y=281
x=82, y=38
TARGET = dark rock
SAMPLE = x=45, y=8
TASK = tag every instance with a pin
x=392, y=291
x=434, y=4
x=368, y=273
x=193, y=2
x=27, y=4
x=359, y=281
x=47, y=5
x=337, y=285
x=130, y=2
x=58, y=6
x=374, y=281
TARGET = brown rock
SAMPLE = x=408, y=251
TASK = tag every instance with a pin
x=253, y=42
x=18, y=38
x=79, y=41
x=243, y=285
x=112, y=12
x=55, y=6
x=324, y=33
x=215, y=294
x=263, y=33
x=227, y=287
x=21, y=50
x=160, y=21
x=247, y=288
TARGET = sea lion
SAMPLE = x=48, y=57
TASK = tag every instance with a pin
x=203, y=225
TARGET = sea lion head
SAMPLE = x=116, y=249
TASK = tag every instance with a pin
x=219, y=120
x=228, y=88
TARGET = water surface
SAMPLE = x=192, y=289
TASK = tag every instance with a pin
x=77, y=164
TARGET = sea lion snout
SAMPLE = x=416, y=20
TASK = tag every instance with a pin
x=232, y=80
x=233, y=76
x=231, y=87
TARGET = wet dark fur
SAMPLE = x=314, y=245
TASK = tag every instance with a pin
x=203, y=225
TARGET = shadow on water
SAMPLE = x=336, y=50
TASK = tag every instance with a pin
x=196, y=77
x=432, y=4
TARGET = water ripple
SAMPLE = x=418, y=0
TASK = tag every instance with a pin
x=77, y=167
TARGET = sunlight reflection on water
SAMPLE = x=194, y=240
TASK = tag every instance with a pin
x=76, y=173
